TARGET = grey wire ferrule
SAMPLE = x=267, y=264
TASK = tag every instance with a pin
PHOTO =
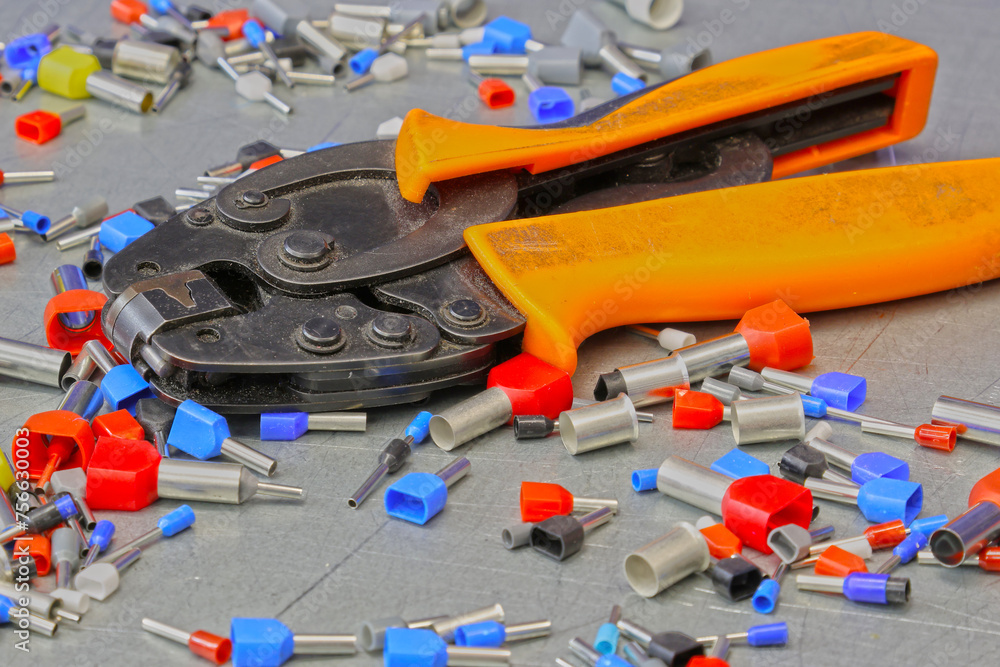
x=768, y=419
x=470, y=418
x=663, y=562
x=646, y=383
x=516, y=536
x=599, y=425
x=228, y=483
x=445, y=628
x=693, y=484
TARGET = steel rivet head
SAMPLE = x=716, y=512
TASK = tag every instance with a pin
x=254, y=198
x=465, y=312
x=199, y=216
x=321, y=334
x=305, y=250
x=391, y=329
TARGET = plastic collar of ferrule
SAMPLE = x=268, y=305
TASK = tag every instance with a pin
x=928, y=524
x=211, y=647
x=123, y=387
x=489, y=634
x=840, y=390
x=885, y=499
x=103, y=532
x=64, y=72
x=66, y=506
x=735, y=578
x=813, y=407
x=644, y=480
x=770, y=634
x=540, y=500
x=198, y=431
x=550, y=104
x=38, y=127
x=264, y=162
x=34, y=221
x=754, y=506
x=174, y=522
x=260, y=642
x=24, y=52
x=483, y=48
x=362, y=61
x=738, y=464
x=875, y=465
x=696, y=410
x=885, y=535
x=836, y=562
x=8, y=253
x=777, y=336
x=122, y=229
x=232, y=20
x=674, y=648
x=508, y=35
x=57, y=431
x=122, y=475
x=127, y=11
x=989, y=559
x=721, y=541
x=908, y=548
x=6, y=604
x=765, y=599
x=606, y=641
x=416, y=497
x=876, y=588
x=419, y=428
x=533, y=386
x=706, y=661
x=254, y=32
x=283, y=425
x=988, y=488
x=496, y=94
x=406, y=647
x=118, y=424
x=74, y=301
x=623, y=84
x=936, y=436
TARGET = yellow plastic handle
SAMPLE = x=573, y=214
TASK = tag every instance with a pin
x=431, y=148
x=817, y=243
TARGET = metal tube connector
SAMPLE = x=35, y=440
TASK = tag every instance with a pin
x=33, y=363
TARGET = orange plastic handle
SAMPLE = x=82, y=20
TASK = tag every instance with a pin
x=817, y=242
x=431, y=148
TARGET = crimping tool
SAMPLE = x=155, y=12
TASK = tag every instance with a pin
x=342, y=278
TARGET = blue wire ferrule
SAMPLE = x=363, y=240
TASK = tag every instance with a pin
x=738, y=464
x=644, y=480
x=174, y=522
x=886, y=499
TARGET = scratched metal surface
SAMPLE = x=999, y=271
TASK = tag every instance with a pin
x=321, y=567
